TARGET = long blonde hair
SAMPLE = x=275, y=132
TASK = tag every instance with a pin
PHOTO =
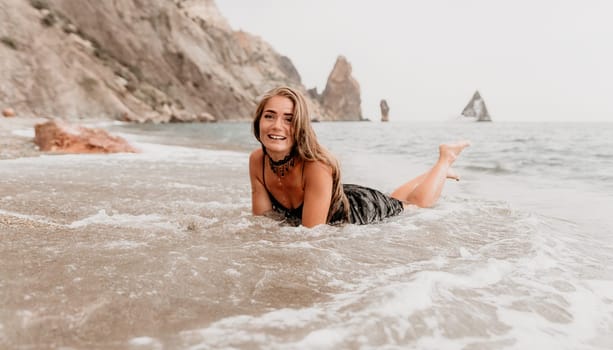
x=305, y=142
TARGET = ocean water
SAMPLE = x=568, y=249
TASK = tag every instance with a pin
x=159, y=250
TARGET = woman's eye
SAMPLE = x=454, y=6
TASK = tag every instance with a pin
x=288, y=119
x=267, y=116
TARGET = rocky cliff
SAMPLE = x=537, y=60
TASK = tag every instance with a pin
x=156, y=60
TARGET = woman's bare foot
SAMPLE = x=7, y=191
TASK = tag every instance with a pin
x=451, y=174
x=450, y=151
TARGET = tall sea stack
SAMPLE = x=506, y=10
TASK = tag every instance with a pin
x=341, y=98
x=385, y=110
x=476, y=109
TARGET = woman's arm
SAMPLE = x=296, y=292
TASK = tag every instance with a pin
x=317, y=193
x=260, y=202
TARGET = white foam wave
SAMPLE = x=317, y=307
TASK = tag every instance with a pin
x=321, y=339
x=288, y=318
x=102, y=218
x=590, y=321
x=245, y=328
x=404, y=299
x=145, y=342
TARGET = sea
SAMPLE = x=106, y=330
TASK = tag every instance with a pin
x=159, y=249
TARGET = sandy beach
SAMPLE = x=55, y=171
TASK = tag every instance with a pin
x=14, y=145
x=159, y=249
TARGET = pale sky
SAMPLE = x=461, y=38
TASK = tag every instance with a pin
x=531, y=60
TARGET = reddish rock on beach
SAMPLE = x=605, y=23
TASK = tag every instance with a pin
x=60, y=136
x=8, y=112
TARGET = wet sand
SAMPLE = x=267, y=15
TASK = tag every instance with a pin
x=17, y=146
x=14, y=146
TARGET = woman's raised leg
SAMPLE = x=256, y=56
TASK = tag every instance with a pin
x=425, y=189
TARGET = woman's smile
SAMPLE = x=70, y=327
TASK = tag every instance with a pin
x=276, y=137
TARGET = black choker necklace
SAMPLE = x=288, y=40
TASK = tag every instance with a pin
x=283, y=166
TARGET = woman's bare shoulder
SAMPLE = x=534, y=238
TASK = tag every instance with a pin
x=255, y=160
x=317, y=167
x=256, y=154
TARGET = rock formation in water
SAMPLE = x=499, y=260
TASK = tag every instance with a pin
x=62, y=137
x=385, y=110
x=476, y=109
x=341, y=98
x=158, y=61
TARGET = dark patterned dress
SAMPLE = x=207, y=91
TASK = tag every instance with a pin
x=366, y=206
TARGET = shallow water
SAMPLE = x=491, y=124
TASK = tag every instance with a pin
x=159, y=249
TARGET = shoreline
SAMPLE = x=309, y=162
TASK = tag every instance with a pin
x=17, y=135
x=13, y=145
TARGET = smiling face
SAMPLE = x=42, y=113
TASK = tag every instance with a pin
x=276, y=131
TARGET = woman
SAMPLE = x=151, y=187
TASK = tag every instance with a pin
x=294, y=175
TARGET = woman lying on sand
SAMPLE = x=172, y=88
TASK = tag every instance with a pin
x=294, y=175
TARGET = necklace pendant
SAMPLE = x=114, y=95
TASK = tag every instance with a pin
x=282, y=167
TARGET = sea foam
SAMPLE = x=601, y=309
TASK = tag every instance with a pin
x=102, y=218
